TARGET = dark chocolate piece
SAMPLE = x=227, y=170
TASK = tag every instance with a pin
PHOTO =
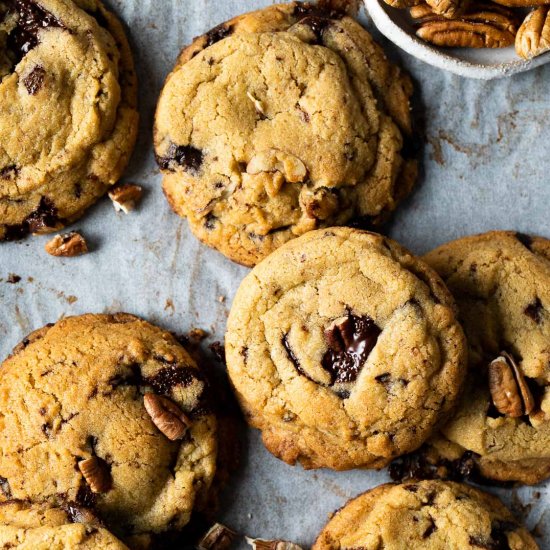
x=34, y=80
x=186, y=156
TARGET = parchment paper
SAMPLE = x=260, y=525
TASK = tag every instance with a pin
x=486, y=165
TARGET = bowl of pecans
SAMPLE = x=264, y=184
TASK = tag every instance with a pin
x=472, y=38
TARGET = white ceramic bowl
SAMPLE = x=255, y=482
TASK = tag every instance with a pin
x=484, y=64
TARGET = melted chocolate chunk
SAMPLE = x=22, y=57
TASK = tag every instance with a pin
x=498, y=539
x=186, y=156
x=45, y=216
x=210, y=221
x=293, y=359
x=32, y=18
x=218, y=33
x=85, y=497
x=534, y=310
x=5, y=487
x=316, y=18
x=525, y=240
x=172, y=376
x=350, y=343
x=218, y=350
x=34, y=80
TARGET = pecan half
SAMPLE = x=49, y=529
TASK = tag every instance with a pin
x=262, y=544
x=521, y=3
x=533, y=37
x=67, y=245
x=509, y=390
x=218, y=537
x=448, y=8
x=484, y=26
x=125, y=196
x=166, y=416
x=96, y=473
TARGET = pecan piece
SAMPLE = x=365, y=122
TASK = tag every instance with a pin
x=262, y=544
x=96, y=473
x=218, y=537
x=67, y=245
x=521, y=3
x=166, y=416
x=533, y=37
x=125, y=196
x=484, y=26
x=448, y=8
x=509, y=390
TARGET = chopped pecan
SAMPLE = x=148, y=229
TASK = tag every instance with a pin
x=166, y=416
x=218, y=537
x=125, y=196
x=484, y=26
x=96, y=473
x=533, y=37
x=448, y=8
x=509, y=390
x=262, y=544
x=67, y=245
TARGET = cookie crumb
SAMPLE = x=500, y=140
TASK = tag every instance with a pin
x=125, y=196
x=67, y=245
x=13, y=279
x=221, y=299
x=196, y=335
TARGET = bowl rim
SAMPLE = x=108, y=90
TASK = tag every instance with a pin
x=379, y=12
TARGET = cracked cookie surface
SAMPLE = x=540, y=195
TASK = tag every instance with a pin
x=428, y=515
x=344, y=350
x=501, y=283
x=37, y=527
x=279, y=122
x=76, y=428
x=68, y=117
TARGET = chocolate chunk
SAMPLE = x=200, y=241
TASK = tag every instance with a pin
x=293, y=359
x=525, y=240
x=5, y=487
x=534, y=310
x=218, y=33
x=218, y=350
x=350, y=342
x=186, y=156
x=9, y=171
x=85, y=497
x=32, y=18
x=316, y=18
x=210, y=222
x=170, y=377
x=498, y=539
x=45, y=216
x=34, y=80
x=432, y=528
x=13, y=279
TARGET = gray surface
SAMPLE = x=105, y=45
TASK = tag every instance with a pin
x=486, y=166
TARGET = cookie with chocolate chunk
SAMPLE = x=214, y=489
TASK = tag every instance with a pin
x=501, y=283
x=68, y=118
x=428, y=515
x=38, y=527
x=279, y=122
x=110, y=413
x=344, y=350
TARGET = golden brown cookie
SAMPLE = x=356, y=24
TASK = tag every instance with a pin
x=279, y=122
x=344, y=350
x=68, y=117
x=110, y=413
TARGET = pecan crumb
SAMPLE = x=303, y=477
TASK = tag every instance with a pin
x=166, y=416
x=221, y=299
x=125, y=196
x=67, y=245
x=96, y=473
x=218, y=537
x=261, y=544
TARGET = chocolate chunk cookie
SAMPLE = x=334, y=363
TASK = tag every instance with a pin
x=282, y=121
x=501, y=282
x=37, y=527
x=110, y=413
x=344, y=350
x=428, y=515
x=68, y=118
